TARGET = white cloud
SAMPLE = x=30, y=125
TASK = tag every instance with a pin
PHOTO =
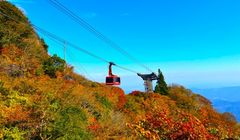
x=22, y=9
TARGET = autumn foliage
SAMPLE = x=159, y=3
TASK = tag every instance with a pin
x=41, y=100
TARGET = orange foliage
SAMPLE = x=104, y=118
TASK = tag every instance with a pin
x=16, y=114
x=160, y=124
x=121, y=100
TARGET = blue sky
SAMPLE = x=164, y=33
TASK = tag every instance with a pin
x=195, y=43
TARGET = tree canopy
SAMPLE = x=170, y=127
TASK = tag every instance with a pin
x=52, y=65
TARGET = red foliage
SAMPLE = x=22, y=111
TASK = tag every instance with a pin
x=189, y=127
x=94, y=126
x=160, y=124
x=135, y=93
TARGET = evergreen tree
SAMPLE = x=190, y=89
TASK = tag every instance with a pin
x=52, y=65
x=161, y=86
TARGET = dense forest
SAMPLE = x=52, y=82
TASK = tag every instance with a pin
x=42, y=98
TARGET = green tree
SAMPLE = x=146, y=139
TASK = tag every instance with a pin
x=52, y=65
x=45, y=46
x=161, y=86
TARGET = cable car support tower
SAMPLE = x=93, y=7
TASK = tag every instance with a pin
x=148, y=78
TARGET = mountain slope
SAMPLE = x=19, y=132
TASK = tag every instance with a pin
x=42, y=98
x=226, y=99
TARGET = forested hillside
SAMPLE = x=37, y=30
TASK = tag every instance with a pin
x=42, y=98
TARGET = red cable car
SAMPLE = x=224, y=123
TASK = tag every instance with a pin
x=112, y=79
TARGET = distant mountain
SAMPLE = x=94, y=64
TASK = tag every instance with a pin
x=226, y=99
x=228, y=106
x=226, y=93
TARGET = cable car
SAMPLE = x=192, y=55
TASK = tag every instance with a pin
x=112, y=79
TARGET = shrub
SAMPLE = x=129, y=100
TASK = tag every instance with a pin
x=25, y=88
x=15, y=70
x=12, y=133
x=104, y=101
x=3, y=90
x=52, y=65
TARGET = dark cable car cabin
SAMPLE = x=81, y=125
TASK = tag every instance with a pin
x=112, y=79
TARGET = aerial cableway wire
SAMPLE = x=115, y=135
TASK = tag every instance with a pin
x=78, y=48
x=91, y=29
x=53, y=36
x=63, y=41
x=70, y=55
